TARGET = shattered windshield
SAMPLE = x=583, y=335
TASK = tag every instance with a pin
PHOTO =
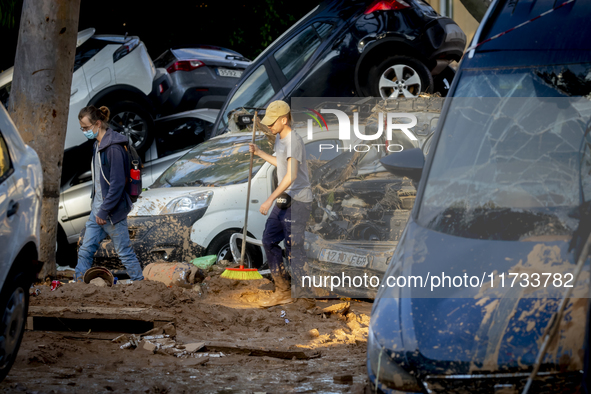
x=513, y=158
x=217, y=162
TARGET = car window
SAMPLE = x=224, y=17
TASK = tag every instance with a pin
x=5, y=94
x=216, y=162
x=87, y=50
x=5, y=162
x=323, y=29
x=255, y=91
x=176, y=135
x=292, y=56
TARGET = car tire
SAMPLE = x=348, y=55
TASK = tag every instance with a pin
x=400, y=77
x=14, y=307
x=220, y=247
x=132, y=120
x=442, y=81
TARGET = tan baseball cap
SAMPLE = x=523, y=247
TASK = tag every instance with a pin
x=275, y=110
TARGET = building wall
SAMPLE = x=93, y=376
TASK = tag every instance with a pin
x=460, y=15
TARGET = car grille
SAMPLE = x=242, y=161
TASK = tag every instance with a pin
x=504, y=383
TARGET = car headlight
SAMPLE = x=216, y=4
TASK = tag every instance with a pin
x=386, y=370
x=187, y=203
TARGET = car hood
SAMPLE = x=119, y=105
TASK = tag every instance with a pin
x=467, y=330
x=151, y=202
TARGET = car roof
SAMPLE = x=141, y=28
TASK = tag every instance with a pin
x=83, y=36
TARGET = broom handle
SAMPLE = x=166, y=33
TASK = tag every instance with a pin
x=243, y=251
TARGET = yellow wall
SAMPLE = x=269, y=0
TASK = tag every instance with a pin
x=461, y=16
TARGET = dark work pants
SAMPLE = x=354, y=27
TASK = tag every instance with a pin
x=289, y=225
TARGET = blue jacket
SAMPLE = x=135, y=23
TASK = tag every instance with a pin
x=115, y=164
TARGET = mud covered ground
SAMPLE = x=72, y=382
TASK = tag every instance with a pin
x=218, y=310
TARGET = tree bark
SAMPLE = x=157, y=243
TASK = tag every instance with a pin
x=476, y=8
x=40, y=99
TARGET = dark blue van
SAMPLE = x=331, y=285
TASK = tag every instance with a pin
x=500, y=197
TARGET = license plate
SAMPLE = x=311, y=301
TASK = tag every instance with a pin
x=224, y=72
x=345, y=258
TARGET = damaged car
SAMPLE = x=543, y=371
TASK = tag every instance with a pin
x=494, y=241
x=360, y=208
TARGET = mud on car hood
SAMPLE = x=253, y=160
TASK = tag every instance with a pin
x=478, y=331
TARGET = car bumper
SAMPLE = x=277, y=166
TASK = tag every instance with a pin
x=155, y=238
x=161, y=88
x=191, y=89
x=358, y=259
x=443, y=39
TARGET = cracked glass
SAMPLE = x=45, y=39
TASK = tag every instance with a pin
x=513, y=158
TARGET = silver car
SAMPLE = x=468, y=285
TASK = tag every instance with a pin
x=21, y=188
x=175, y=134
x=202, y=76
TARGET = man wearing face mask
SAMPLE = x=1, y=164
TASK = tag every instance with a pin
x=110, y=200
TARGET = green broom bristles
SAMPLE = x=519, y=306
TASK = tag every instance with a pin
x=241, y=273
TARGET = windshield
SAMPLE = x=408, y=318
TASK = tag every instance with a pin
x=513, y=158
x=254, y=92
x=217, y=162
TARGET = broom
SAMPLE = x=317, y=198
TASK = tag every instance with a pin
x=242, y=273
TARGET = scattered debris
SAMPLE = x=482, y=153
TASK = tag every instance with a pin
x=100, y=282
x=283, y=314
x=341, y=308
x=193, y=347
x=314, y=333
x=343, y=379
x=55, y=284
x=174, y=274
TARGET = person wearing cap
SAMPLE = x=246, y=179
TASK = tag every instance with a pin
x=287, y=220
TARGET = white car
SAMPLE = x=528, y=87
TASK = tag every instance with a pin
x=115, y=71
x=175, y=135
x=21, y=187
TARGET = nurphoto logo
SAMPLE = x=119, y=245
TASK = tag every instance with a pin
x=344, y=122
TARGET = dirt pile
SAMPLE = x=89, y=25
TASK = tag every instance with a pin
x=304, y=346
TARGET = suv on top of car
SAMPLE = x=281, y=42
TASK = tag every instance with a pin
x=21, y=188
x=384, y=48
x=115, y=71
x=202, y=75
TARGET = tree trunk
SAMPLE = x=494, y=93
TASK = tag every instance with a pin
x=476, y=8
x=40, y=99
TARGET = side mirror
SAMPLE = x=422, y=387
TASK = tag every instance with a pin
x=407, y=163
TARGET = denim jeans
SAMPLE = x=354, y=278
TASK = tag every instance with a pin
x=289, y=225
x=119, y=234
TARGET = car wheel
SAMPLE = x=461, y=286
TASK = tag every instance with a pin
x=400, y=77
x=132, y=120
x=442, y=81
x=220, y=247
x=14, y=304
